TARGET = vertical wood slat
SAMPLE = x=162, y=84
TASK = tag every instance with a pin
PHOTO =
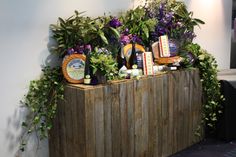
x=89, y=123
x=174, y=80
x=170, y=102
x=166, y=148
x=123, y=120
x=78, y=119
x=152, y=117
x=107, y=122
x=159, y=90
x=138, y=118
x=152, y=126
x=116, y=123
x=99, y=122
x=131, y=123
x=145, y=122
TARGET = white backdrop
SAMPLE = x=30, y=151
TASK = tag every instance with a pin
x=24, y=31
x=215, y=35
x=24, y=35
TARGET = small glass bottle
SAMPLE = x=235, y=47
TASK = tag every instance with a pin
x=133, y=56
x=87, y=70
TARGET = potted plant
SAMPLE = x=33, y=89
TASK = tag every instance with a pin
x=104, y=66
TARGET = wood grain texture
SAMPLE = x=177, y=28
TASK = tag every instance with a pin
x=155, y=116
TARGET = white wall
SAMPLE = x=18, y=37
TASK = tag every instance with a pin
x=24, y=31
x=215, y=35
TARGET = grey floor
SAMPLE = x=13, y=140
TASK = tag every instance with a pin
x=210, y=148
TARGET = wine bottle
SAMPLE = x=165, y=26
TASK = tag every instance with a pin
x=87, y=70
x=133, y=56
x=120, y=59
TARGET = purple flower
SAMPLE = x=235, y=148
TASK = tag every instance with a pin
x=136, y=39
x=191, y=58
x=189, y=35
x=161, y=11
x=88, y=47
x=79, y=49
x=115, y=23
x=124, y=39
x=70, y=51
x=160, y=30
x=126, y=31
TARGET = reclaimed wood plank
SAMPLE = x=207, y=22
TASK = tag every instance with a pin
x=131, y=122
x=175, y=79
x=138, y=118
x=159, y=120
x=152, y=117
x=90, y=123
x=191, y=95
x=116, y=123
x=186, y=107
x=145, y=103
x=62, y=125
x=107, y=121
x=165, y=118
x=123, y=119
x=99, y=122
x=78, y=122
x=170, y=98
x=180, y=112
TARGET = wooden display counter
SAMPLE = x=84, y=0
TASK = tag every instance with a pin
x=151, y=117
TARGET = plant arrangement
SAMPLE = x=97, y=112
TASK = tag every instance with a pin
x=107, y=35
x=104, y=64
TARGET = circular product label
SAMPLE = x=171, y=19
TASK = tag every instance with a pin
x=75, y=69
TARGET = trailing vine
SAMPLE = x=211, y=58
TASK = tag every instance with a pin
x=210, y=85
x=41, y=101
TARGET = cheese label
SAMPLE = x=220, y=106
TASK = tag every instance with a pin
x=164, y=46
x=147, y=63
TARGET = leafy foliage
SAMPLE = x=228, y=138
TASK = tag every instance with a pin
x=211, y=87
x=105, y=64
x=173, y=19
x=80, y=30
x=138, y=23
x=41, y=101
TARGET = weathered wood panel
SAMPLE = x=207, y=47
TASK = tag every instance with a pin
x=151, y=117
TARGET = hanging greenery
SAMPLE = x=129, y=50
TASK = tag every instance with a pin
x=207, y=65
x=41, y=102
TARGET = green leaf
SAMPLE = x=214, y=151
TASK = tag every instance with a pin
x=116, y=33
x=102, y=36
x=146, y=31
x=24, y=124
x=201, y=57
x=199, y=21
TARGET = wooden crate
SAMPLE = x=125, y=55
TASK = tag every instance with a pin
x=152, y=117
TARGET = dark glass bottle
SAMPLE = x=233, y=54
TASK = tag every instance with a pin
x=87, y=69
x=133, y=56
x=120, y=60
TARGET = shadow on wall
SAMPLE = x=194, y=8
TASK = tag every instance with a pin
x=29, y=11
x=35, y=148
